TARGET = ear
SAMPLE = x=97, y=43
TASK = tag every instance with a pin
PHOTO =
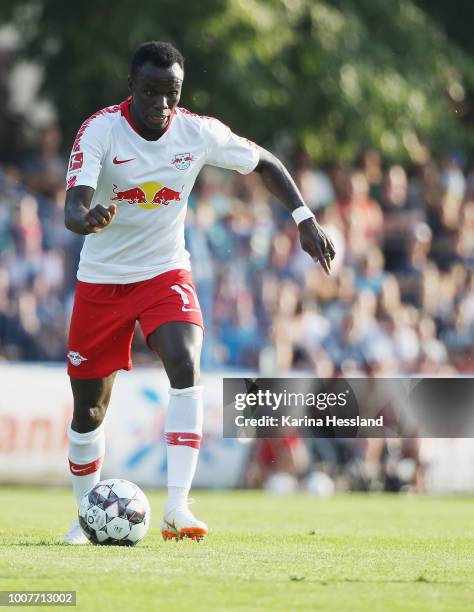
x=130, y=83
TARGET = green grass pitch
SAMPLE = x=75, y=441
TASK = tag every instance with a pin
x=349, y=552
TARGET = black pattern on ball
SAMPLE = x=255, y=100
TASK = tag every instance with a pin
x=114, y=512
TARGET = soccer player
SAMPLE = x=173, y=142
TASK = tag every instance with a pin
x=131, y=170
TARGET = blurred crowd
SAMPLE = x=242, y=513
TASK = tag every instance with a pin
x=400, y=299
x=322, y=466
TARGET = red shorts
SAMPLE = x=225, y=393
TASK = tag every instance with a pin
x=104, y=316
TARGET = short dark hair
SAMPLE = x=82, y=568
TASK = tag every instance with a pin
x=161, y=54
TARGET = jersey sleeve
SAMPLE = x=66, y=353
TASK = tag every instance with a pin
x=227, y=150
x=88, y=152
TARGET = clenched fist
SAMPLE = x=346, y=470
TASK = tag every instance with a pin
x=99, y=217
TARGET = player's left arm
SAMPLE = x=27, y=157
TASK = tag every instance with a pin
x=279, y=182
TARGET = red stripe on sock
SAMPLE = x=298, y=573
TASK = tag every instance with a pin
x=83, y=469
x=182, y=438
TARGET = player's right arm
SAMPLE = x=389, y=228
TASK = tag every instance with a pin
x=79, y=217
x=85, y=165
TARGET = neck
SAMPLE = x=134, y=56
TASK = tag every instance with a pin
x=142, y=129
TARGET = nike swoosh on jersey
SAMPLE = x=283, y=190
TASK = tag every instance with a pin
x=122, y=161
x=180, y=439
x=184, y=309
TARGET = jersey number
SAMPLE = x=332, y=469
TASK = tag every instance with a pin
x=181, y=289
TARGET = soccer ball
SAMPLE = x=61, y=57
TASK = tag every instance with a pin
x=115, y=511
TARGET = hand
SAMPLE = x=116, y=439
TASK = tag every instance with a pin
x=317, y=243
x=99, y=217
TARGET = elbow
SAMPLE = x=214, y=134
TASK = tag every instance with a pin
x=69, y=218
x=268, y=162
x=67, y=214
x=68, y=223
x=71, y=225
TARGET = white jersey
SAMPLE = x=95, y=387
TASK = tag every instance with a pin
x=150, y=181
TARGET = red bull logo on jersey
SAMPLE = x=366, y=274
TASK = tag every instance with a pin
x=147, y=195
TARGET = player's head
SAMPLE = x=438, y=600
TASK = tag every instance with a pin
x=155, y=81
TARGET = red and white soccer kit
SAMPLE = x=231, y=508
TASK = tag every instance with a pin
x=137, y=268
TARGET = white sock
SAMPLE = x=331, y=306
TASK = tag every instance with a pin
x=86, y=453
x=177, y=498
x=183, y=432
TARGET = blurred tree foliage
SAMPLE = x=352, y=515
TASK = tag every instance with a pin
x=334, y=75
x=456, y=20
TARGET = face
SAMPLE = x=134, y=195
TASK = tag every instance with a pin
x=155, y=92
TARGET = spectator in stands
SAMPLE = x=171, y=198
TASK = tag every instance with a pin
x=400, y=296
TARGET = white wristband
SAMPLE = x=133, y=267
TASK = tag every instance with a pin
x=301, y=214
